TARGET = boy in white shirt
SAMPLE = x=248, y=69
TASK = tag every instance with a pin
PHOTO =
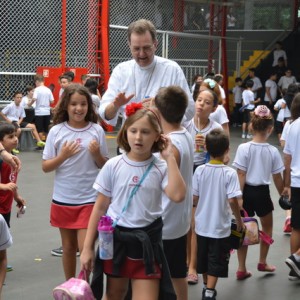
x=43, y=97
x=171, y=103
x=14, y=113
x=213, y=213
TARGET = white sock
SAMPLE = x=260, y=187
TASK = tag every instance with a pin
x=297, y=257
x=209, y=293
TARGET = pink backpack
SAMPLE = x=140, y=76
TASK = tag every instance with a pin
x=74, y=289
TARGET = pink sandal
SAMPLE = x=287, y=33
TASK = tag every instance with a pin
x=192, y=279
x=265, y=268
x=241, y=275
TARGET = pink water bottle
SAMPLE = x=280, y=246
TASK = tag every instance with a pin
x=106, y=238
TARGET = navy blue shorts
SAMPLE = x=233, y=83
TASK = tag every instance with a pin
x=295, y=199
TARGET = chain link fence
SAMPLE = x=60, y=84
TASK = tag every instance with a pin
x=31, y=33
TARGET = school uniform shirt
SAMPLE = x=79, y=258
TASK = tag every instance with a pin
x=285, y=131
x=44, y=97
x=74, y=178
x=283, y=113
x=143, y=82
x=25, y=101
x=276, y=54
x=5, y=236
x=219, y=115
x=248, y=97
x=273, y=90
x=117, y=179
x=285, y=81
x=237, y=92
x=177, y=216
x=256, y=85
x=200, y=157
x=14, y=112
x=214, y=184
x=292, y=147
x=259, y=161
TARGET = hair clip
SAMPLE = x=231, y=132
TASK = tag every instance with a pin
x=132, y=107
x=210, y=82
x=262, y=111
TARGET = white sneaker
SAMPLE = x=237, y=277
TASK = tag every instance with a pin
x=249, y=136
x=243, y=135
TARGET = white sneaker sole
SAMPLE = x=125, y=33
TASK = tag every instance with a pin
x=292, y=265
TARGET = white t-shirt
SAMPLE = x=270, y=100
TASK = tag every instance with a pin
x=248, y=97
x=285, y=131
x=5, y=236
x=13, y=112
x=259, y=161
x=276, y=54
x=214, y=184
x=143, y=82
x=25, y=101
x=292, y=147
x=200, y=157
x=237, y=92
x=43, y=97
x=285, y=81
x=257, y=85
x=219, y=115
x=117, y=179
x=177, y=216
x=273, y=90
x=282, y=112
x=74, y=178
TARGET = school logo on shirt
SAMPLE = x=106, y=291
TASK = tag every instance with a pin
x=135, y=179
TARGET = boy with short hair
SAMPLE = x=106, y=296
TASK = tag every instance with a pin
x=64, y=81
x=171, y=103
x=212, y=216
x=237, y=104
x=43, y=97
x=15, y=113
x=5, y=242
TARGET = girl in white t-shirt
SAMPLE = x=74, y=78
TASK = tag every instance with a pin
x=75, y=149
x=138, y=253
x=256, y=161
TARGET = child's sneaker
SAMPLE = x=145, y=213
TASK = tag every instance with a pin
x=287, y=225
x=249, y=136
x=243, y=135
x=210, y=294
x=9, y=268
x=293, y=276
x=41, y=144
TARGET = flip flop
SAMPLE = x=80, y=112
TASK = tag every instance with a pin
x=265, y=268
x=192, y=279
x=241, y=275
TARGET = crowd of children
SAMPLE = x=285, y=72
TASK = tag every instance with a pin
x=172, y=165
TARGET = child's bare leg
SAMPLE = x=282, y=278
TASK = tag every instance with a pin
x=116, y=288
x=192, y=267
x=242, y=255
x=3, y=264
x=146, y=289
x=69, y=244
x=34, y=131
x=267, y=227
x=181, y=288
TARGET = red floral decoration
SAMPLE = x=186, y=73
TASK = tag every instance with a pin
x=132, y=108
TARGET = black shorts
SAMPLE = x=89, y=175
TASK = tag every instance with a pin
x=278, y=127
x=213, y=256
x=295, y=199
x=42, y=123
x=246, y=116
x=175, y=252
x=257, y=200
x=6, y=217
x=23, y=124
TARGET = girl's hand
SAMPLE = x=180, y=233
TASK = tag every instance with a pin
x=20, y=201
x=167, y=151
x=69, y=149
x=11, y=186
x=87, y=259
x=200, y=140
x=94, y=147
